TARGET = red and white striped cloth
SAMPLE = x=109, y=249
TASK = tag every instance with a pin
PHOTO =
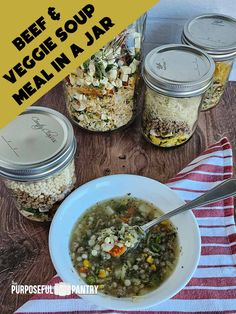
x=213, y=286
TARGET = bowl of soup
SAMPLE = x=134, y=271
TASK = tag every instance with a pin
x=91, y=242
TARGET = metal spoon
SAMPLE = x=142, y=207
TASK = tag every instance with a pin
x=222, y=191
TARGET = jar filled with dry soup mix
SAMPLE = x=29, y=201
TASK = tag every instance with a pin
x=100, y=94
x=37, y=161
x=177, y=77
x=216, y=35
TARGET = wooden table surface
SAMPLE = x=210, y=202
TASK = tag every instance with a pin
x=24, y=256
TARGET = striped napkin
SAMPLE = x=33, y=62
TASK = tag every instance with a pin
x=213, y=286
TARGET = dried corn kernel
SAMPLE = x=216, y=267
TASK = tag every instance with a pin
x=86, y=263
x=100, y=286
x=102, y=273
x=165, y=223
x=153, y=267
x=150, y=260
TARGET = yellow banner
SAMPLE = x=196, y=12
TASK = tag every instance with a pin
x=43, y=41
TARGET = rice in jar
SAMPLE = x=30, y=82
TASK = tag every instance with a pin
x=176, y=77
x=100, y=94
x=216, y=35
x=37, y=161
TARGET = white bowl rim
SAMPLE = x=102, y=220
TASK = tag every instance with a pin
x=90, y=298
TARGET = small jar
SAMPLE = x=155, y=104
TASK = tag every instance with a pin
x=216, y=35
x=176, y=77
x=37, y=161
x=100, y=94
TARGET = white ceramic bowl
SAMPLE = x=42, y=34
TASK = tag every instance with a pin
x=116, y=186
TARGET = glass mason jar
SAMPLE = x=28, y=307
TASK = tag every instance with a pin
x=37, y=161
x=100, y=94
x=177, y=77
x=216, y=35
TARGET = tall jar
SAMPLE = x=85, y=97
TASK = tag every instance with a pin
x=37, y=161
x=177, y=77
x=216, y=35
x=100, y=94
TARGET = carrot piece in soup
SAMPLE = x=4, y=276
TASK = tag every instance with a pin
x=83, y=269
x=117, y=251
x=125, y=219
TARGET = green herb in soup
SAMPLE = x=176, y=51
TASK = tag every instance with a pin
x=100, y=240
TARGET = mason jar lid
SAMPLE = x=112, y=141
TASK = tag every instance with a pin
x=178, y=70
x=37, y=144
x=213, y=33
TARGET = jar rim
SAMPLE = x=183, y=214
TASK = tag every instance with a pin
x=216, y=57
x=170, y=93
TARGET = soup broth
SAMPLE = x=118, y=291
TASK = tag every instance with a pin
x=97, y=258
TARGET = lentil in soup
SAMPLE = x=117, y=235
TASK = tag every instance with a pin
x=101, y=236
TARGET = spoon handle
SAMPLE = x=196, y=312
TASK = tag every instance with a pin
x=224, y=190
